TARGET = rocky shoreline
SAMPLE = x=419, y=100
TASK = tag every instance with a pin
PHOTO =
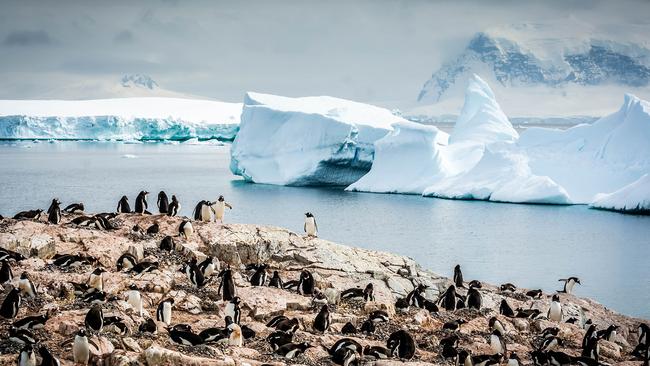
x=334, y=267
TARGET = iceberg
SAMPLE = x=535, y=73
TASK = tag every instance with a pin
x=633, y=198
x=307, y=141
x=147, y=118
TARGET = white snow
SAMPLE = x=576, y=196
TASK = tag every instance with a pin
x=307, y=141
x=119, y=118
x=634, y=197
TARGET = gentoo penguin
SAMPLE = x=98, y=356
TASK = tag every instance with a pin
x=322, y=320
x=164, y=311
x=153, y=229
x=497, y=343
x=474, y=299
x=163, y=202
x=508, y=287
x=306, y=283
x=349, y=328
x=194, y=274
x=6, y=275
x=608, y=334
x=185, y=229
x=430, y=306
x=458, y=277
x=232, y=310
x=26, y=286
x=279, y=338
x=209, y=266
x=454, y=324
x=227, y=286
x=186, y=338
x=72, y=260
x=148, y=326
x=123, y=205
x=556, y=358
x=126, y=261
x=368, y=327
x=236, y=337
x=401, y=344
x=643, y=331
x=527, y=313
x=174, y=207
x=11, y=304
x=27, y=357
x=555, y=310
x=378, y=316
x=259, y=277
x=346, y=357
x=416, y=297
x=96, y=279
x=118, y=323
x=345, y=343
x=32, y=322
x=219, y=209
x=81, y=348
x=167, y=244
x=214, y=335
x=283, y=323
x=6, y=254
x=590, y=333
x=95, y=318
x=143, y=267
x=535, y=294
x=54, y=212
x=28, y=215
x=134, y=298
x=550, y=343
x=47, y=359
x=549, y=331
x=141, y=202
x=292, y=350
x=539, y=358
x=449, y=298
x=21, y=336
x=568, y=284
x=310, y=226
x=591, y=349
x=203, y=211
x=276, y=281
x=514, y=360
x=495, y=324
x=74, y=207
x=366, y=294
x=505, y=309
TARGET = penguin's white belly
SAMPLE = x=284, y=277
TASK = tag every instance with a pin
x=513, y=362
x=498, y=326
x=495, y=343
x=230, y=310
x=236, y=336
x=26, y=288
x=310, y=226
x=188, y=230
x=556, y=312
x=206, y=213
x=81, y=351
x=209, y=270
x=569, y=286
x=27, y=359
x=219, y=210
x=96, y=282
x=291, y=354
x=167, y=313
x=135, y=300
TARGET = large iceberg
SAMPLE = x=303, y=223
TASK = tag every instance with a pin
x=307, y=141
x=633, y=198
x=150, y=118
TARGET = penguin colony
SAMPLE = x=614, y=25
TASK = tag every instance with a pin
x=380, y=336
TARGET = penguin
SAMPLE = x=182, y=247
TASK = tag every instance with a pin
x=607, y=334
x=32, y=322
x=227, y=286
x=292, y=350
x=214, y=335
x=550, y=343
x=508, y=287
x=345, y=343
x=209, y=266
x=591, y=349
x=194, y=274
x=283, y=323
x=310, y=226
x=6, y=275
x=204, y=211
x=219, y=209
x=163, y=202
x=346, y=357
x=349, y=328
x=27, y=357
x=539, y=358
x=378, y=316
x=174, y=207
x=514, y=360
x=474, y=299
x=498, y=343
x=54, y=212
x=367, y=294
x=74, y=207
x=186, y=338
x=144, y=267
x=11, y=304
x=458, y=277
x=232, y=310
x=28, y=215
x=97, y=297
x=185, y=229
x=95, y=318
x=126, y=261
x=449, y=298
x=123, y=205
x=279, y=338
x=568, y=284
x=306, y=283
x=236, y=337
x=47, y=359
x=401, y=344
x=164, y=311
x=6, y=254
x=134, y=298
x=72, y=260
x=558, y=358
x=148, y=326
x=495, y=324
x=323, y=319
x=555, y=310
x=276, y=281
x=81, y=347
x=643, y=331
x=527, y=313
x=118, y=323
x=454, y=325
x=21, y=336
x=416, y=297
x=452, y=341
x=153, y=229
x=505, y=309
x=590, y=333
x=141, y=202
x=368, y=327
x=96, y=279
x=167, y=244
x=430, y=306
x=259, y=277
x=550, y=331
x=535, y=294
x=449, y=349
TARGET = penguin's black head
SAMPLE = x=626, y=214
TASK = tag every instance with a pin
x=24, y=275
x=275, y=273
x=495, y=332
x=492, y=321
x=170, y=300
x=125, y=198
x=309, y=214
x=556, y=298
x=422, y=287
x=325, y=308
x=182, y=327
x=173, y=197
x=82, y=332
x=463, y=321
x=228, y=320
x=29, y=348
x=235, y=300
x=369, y=286
x=98, y=271
x=305, y=345
x=513, y=356
x=457, y=268
x=220, y=199
x=133, y=287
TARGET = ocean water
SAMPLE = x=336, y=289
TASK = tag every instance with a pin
x=531, y=246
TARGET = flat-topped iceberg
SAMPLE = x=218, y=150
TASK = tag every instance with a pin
x=147, y=118
x=307, y=141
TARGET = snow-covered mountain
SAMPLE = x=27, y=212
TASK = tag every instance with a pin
x=552, y=69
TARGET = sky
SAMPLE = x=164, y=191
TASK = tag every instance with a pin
x=372, y=51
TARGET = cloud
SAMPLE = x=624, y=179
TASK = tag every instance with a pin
x=125, y=36
x=28, y=38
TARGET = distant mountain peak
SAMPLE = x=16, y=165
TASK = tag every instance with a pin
x=139, y=81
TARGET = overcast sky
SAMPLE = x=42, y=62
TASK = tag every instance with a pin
x=374, y=51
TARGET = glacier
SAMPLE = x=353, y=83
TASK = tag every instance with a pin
x=307, y=141
x=146, y=118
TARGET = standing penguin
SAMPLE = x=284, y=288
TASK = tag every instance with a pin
x=323, y=319
x=236, y=338
x=194, y=274
x=185, y=229
x=164, y=311
x=174, y=207
x=167, y=244
x=96, y=279
x=47, y=358
x=26, y=285
x=458, y=277
x=497, y=343
x=134, y=298
x=219, y=208
x=555, y=310
x=203, y=211
x=11, y=304
x=27, y=357
x=568, y=284
x=5, y=273
x=123, y=205
x=95, y=318
x=401, y=344
x=306, y=283
x=505, y=309
x=208, y=266
x=227, y=285
x=310, y=226
x=163, y=202
x=474, y=299
x=232, y=310
x=259, y=277
x=54, y=212
x=81, y=348
x=141, y=202
x=449, y=298
x=276, y=281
